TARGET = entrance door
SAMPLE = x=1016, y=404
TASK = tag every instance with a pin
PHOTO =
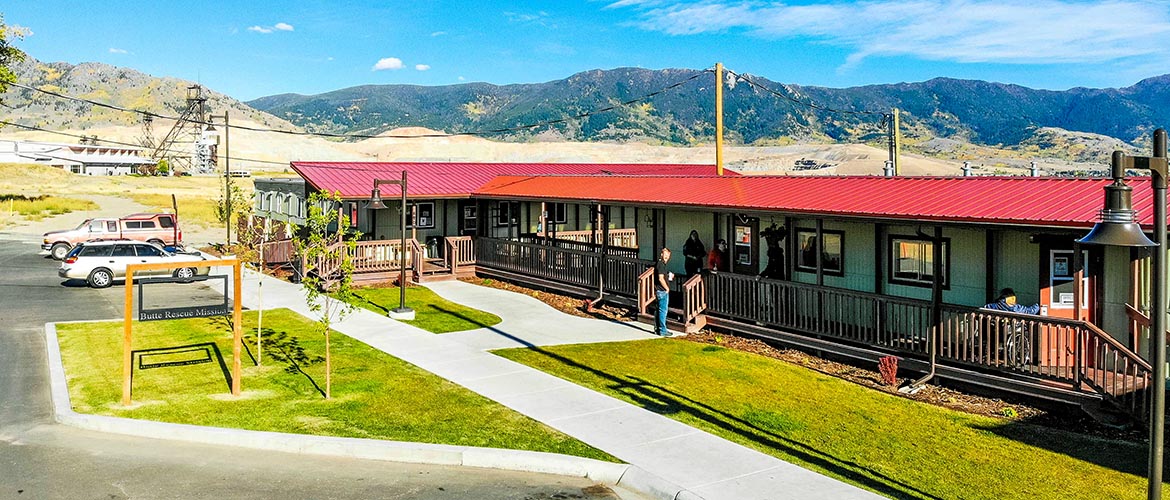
x=1057, y=347
x=745, y=244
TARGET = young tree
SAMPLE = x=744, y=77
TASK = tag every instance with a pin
x=9, y=55
x=327, y=274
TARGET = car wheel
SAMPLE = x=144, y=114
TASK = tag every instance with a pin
x=59, y=251
x=100, y=278
x=186, y=274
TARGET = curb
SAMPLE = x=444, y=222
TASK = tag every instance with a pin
x=627, y=476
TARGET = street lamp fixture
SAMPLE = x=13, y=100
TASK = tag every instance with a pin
x=227, y=178
x=1118, y=227
x=401, y=312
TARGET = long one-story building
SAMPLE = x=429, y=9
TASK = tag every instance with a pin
x=85, y=159
x=838, y=264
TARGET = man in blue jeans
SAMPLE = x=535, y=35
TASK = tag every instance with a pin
x=662, y=277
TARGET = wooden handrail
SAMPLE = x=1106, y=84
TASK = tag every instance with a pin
x=694, y=298
x=645, y=290
x=1133, y=357
x=1137, y=316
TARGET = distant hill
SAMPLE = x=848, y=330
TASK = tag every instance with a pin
x=969, y=110
x=108, y=84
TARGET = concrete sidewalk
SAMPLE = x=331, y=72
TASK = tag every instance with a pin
x=680, y=461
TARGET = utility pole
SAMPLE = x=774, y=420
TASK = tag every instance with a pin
x=895, y=140
x=719, y=118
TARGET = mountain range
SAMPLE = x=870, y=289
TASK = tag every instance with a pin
x=591, y=106
x=760, y=112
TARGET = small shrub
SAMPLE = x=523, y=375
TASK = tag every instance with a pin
x=1009, y=412
x=888, y=368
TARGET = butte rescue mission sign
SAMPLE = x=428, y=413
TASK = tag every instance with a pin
x=221, y=308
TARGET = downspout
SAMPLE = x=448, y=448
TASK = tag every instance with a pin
x=936, y=292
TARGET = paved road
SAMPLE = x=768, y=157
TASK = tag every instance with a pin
x=40, y=459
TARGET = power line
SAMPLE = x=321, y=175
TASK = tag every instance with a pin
x=794, y=100
x=366, y=136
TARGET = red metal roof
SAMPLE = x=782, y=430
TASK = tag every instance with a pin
x=434, y=179
x=1001, y=200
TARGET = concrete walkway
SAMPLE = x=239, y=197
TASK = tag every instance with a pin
x=681, y=461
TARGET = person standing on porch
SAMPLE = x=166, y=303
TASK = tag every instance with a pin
x=694, y=252
x=717, y=259
x=662, y=277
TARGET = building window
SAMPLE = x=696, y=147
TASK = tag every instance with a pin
x=424, y=216
x=912, y=261
x=470, y=216
x=508, y=211
x=832, y=253
x=557, y=213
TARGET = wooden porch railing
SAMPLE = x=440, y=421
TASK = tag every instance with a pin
x=1065, y=350
x=278, y=252
x=645, y=290
x=581, y=246
x=460, y=252
x=626, y=238
x=694, y=298
x=416, y=259
x=370, y=257
x=562, y=265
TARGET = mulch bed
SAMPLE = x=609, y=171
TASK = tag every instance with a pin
x=1072, y=420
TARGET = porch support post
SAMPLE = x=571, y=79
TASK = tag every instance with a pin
x=820, y=250
x=543, y=220
x=989, y=265
x=879, y=239
x=604, y=223
x=1078, y=281
x=789, y=248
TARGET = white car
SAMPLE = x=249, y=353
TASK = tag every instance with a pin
x=99, y=263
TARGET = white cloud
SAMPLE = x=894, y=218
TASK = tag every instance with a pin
x=386, y=63
x=271, y=29
x=330, y=58
x=968, y=31
x=462, y=79
x=118, y=51
x=439, y=33
x=422, y=67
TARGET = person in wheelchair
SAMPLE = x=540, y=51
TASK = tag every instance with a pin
x=1014, y=338
x=1007, y=302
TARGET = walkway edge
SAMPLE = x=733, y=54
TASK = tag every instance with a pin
x=624, y=475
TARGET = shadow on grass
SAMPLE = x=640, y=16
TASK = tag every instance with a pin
x=281, y=347
x=461, y=316
x=664, y=401
x=1105, y=454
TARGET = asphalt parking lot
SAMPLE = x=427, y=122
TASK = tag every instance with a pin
x=41, y=459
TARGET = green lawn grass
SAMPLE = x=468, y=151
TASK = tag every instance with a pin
x=431, y=312
x=890, y=445
x=375, y=395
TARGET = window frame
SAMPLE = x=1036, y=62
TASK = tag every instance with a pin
x=813, y=269
x=892, y=258
x=561, y=209
x=473, y=218
x=416, y=213
x=505, y=207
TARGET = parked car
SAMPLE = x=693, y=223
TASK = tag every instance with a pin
x=162, y=229
x=99, y=263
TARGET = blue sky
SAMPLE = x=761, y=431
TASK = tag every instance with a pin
x=254, y=48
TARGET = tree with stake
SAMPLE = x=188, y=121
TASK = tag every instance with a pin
x=327, y=276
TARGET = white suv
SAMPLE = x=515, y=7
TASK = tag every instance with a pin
x=99, y=263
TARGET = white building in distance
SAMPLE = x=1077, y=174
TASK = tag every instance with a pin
x=85, y=159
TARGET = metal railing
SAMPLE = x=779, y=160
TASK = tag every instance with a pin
x=1065, y=350
x=582, y=246
x=562, y=265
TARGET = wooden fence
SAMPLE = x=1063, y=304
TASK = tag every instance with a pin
x=581, y=246
x=626, y=238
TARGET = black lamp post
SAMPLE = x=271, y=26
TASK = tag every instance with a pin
x=400, y=312
x=1118, y=227
x=227, y=179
